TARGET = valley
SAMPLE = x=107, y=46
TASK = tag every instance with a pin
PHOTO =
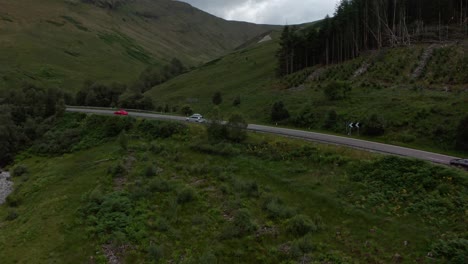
x=149, y=131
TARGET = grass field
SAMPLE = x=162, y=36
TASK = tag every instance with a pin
x=165, y=192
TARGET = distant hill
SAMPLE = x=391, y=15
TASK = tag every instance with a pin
x=61, y=43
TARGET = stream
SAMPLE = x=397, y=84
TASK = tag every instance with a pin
x=6, y=186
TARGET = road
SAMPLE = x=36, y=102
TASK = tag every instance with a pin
x=311, y=136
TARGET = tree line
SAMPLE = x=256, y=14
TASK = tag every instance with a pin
x=360, y=25
x=129, y=96
x=25, y=115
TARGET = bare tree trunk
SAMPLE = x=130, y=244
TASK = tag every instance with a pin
x=461, y=13
x=440, y=30
x=394, y=19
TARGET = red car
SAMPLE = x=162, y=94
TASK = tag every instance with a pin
x=121, y=112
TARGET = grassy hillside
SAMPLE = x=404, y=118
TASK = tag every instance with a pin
x=61, y=43
x=166, y=193
x=419, y=111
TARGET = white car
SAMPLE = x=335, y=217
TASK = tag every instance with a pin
x=197, y=118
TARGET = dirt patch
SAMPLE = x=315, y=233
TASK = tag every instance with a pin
x=425, y=58
x=114, y=254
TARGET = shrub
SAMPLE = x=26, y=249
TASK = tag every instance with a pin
x=306, y=117
x=123, y=140
x=13, y=200
x=374, y=126
x=216, y=130
x=236, y=128
x=20, y=170
x=207, y=258
x=462, y=135
x=156, y=253
x=109, y=215
x=243, y=222
x=302, y=246
x=186, y=110
x=279, y=112
x=152, y=170
x=113, y=126
x=118, y=170
x=454, y=250
x=249, y=188
x=160, y=129
x=300, y=225
x=12, y=215
x=156, y=148
x=331, y=120
x=276, y=209
x=412, y=186
x=159, y=185
x=217, y=98
x=221, y=148
x=337, y=90
x=236, y=101
x=186, y=195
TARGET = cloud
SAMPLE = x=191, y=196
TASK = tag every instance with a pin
x=268, y=11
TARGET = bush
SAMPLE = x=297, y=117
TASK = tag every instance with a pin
x=244, y=222
x=236, y=128
x=337, y=90
x=12, y=215
x=156, y=148
x=217, y=98
x=237, y=101
x=279, y=112
x=331, y=120
x=216, y=130
x=159, y=185
x=302, y=246
x=207, y=258
x=160, y=129
x=249, y=187
x=221, y=148
x=123, y=140
x=300, y=225
x=432, y=193
x=156, y=253
x=462, y=135
x=20, y=170
x=186, y=195
x=306, y=117
x=454, y=250
x=374, y=126
x=152, y=170
x=186, y=110
x=276, y=209
x=14, y=200
x=108, y=215
x=113, y=126
x=118, y=170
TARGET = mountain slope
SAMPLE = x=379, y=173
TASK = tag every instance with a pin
x=173, y=195
x=421, y=112
x=63, y=42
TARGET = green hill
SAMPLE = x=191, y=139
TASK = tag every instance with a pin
x=168, y=193
x=421, y=111
x=61, y=43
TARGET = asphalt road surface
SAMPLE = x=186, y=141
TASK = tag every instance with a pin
x=311, y=136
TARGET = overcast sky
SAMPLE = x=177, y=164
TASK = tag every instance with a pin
x=268, y=11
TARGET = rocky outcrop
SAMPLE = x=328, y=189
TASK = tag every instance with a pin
x=6, y=186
